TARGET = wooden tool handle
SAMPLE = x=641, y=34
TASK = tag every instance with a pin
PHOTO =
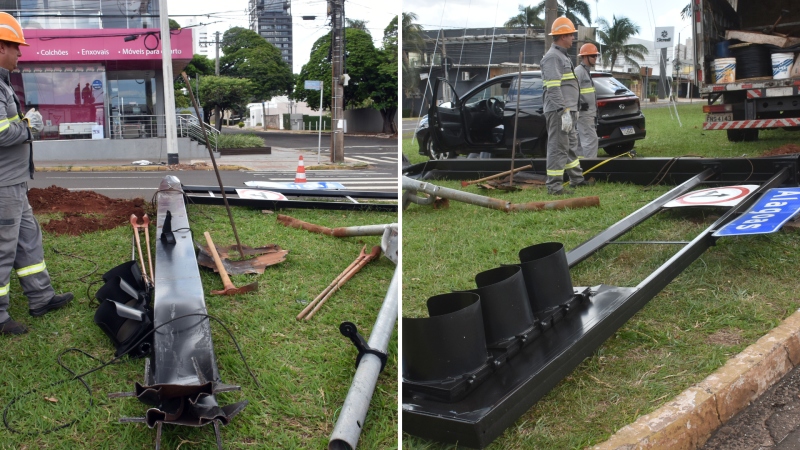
x=222, y=272
x=327, y=289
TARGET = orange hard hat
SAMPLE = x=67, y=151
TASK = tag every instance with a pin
x=10, y=30
x=588, y=50
x=562, y=25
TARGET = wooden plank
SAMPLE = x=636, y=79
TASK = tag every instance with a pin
x=761, y=38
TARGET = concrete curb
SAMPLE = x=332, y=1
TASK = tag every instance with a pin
x=688, y=421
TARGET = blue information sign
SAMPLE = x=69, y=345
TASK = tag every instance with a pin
x=771, y=211
x=313, y=85
x=97, y=84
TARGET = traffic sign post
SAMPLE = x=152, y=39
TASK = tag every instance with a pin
x=317, y=86
x=767, y=215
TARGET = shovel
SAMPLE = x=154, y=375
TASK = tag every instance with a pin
x=230, y=289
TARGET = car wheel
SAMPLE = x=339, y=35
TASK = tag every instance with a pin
x=615, y=150
x=751, y=135
x=433, y=153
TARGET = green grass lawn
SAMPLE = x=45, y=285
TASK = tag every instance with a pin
x=305, y=368
x=734, y=294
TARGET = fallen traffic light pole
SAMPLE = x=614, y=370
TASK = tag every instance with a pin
x=467, y=387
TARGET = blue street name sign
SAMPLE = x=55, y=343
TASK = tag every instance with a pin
x=313, y=85
x=768, y=215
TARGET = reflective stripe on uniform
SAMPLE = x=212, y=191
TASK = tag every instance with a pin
x=580, y=157
x=568, y=76
x=587, y=90
x=30, y=270
x=555, y=173
x=4, y=289
x=553, y=83
x=14, y=119
x=4, y=124
x=573, y=164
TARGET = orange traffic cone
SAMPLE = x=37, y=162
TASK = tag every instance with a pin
x=301, y=172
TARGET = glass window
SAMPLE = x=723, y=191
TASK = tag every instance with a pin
x=530, y=89
x=71, y=98
x=132, y=104
x=610, y=86
x=496, y=90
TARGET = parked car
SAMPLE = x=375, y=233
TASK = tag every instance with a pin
x=483, y=121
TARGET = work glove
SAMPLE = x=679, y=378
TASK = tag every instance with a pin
x=566, y=121
x=35, y=121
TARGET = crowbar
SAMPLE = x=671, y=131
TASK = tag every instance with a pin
x=376, y=252
x=333, y=283
x=136, y=226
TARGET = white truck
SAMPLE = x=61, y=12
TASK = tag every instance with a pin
x=747, y=105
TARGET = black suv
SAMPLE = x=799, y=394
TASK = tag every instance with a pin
x=483, y=121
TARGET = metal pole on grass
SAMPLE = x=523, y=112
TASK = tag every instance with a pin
x=516, y=120
x=354, y=411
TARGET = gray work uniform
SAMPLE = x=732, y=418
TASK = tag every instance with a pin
x=561, y=92
x=587, y=120
x=20, y=236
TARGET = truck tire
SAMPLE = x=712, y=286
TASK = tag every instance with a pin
x=742, y=135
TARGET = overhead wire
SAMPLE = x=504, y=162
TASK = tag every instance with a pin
x=463, y=40
x=489, y=65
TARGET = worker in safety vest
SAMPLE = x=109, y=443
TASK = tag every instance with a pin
x=587, y=117
x=561, y=110
x=20, y=236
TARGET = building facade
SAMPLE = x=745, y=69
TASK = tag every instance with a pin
x=93, y=68
x=272, y=20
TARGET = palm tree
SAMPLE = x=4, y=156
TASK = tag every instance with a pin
x=613, y=40
x=528, y=17
x=686, y=11
x=413, y=41
x=573, y=9
x=357, y=24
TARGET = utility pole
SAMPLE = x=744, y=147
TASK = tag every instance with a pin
x=336, y=11
x=169, y=91
x=550, y=16
x=217, y=42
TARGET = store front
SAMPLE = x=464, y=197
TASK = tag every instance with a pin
x=91, y=84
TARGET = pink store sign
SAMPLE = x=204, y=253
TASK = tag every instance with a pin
x=100, y=45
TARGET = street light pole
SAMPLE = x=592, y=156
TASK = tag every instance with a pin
x=169, y=89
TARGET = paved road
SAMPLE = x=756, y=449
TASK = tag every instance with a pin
x=145, y=184
x=380, y=153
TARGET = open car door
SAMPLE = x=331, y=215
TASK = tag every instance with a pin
x=444, y=119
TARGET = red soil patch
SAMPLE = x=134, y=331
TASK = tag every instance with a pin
x=105, y=213
x=787, y=149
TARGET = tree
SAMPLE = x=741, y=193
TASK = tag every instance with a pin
x=383, y=83
x=574, y=10
x=362, y=60
x=528, y=17
x=413, y=40
x=357, y=24
x=686, y=12
x=250, y=56
x=199, y=65
x=613, y=38
x=221, y=93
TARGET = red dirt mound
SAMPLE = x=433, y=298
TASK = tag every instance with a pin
x=84, y=211
x=787, y=149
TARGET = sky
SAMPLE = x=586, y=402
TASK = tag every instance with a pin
x=488, y=13
x=233, y=13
